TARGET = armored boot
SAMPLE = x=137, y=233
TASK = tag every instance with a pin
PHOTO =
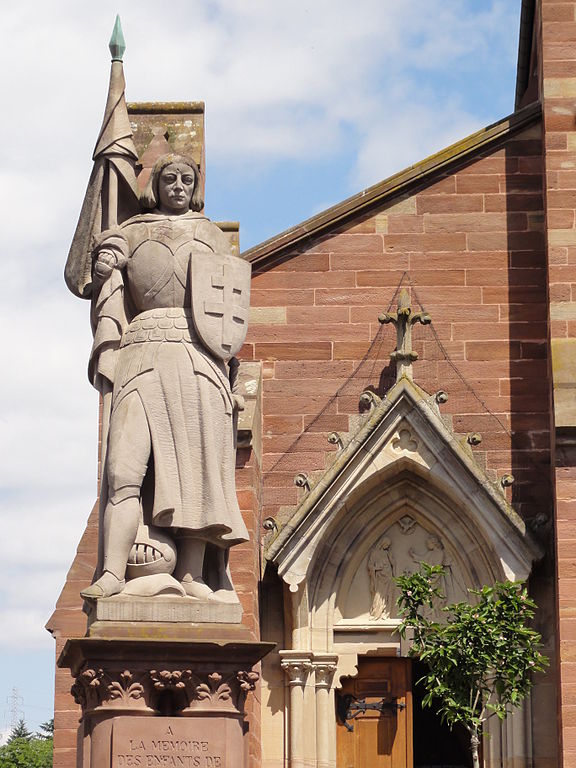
x=225, y=592
x=120, y=526
x=189, y=567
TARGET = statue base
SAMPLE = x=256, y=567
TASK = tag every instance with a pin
x=154, y=702
x=163, y=608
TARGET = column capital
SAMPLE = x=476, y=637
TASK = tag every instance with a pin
x=296, y=665
x=324, y=667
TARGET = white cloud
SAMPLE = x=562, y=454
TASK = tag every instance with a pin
x=417, y=131
x=259, y=65
x=26, y=631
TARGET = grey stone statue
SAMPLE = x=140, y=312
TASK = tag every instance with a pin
x=381, y=567
x=169, y=310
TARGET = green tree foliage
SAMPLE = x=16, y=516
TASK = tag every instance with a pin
x=24, y=750
x=20, y=731
x=481, y=659
x=46, y=730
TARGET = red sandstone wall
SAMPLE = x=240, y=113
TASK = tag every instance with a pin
x=68, y=620
x=556, y=29
x=245, y=569
x=471, y=245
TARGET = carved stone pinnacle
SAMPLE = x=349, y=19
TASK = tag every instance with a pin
x=403, y=319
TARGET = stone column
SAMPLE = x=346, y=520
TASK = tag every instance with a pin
x=324, y=668
x=508, y=743
x=297, y=666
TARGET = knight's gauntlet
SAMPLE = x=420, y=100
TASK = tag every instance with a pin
x=106, y=261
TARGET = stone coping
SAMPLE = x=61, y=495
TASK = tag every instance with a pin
x=164, y=107
x=159, y=651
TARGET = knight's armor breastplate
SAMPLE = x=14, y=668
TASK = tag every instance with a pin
x=158, y=270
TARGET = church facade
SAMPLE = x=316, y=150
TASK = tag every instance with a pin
x=370, y=443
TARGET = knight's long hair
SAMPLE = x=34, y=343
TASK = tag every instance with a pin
x=149, y=198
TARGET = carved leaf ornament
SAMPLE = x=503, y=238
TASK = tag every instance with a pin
x=248, y=680
x=125, y=688
x=95, y=688
x=86, y=687
x=215, y=690
x=166, y=680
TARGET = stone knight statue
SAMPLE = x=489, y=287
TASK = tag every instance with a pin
x=169, y=312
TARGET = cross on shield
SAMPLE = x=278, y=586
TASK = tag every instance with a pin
x=220, y=301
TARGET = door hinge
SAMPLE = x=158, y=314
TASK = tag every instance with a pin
x=348, y=707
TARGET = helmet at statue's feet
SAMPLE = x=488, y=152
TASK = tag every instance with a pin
x=153, y=553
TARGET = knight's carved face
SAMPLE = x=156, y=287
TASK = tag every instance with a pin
x=175, y=188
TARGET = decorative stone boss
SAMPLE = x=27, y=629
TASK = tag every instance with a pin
x=169, y=311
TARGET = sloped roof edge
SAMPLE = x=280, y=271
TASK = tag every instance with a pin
x=394, y=185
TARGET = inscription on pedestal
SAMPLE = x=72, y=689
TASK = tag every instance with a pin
x=168, y=741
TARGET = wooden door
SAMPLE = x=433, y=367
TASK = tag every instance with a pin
x=381, y=736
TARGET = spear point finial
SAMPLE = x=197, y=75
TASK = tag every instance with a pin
x=117, y=45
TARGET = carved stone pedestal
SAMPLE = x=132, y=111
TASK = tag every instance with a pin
x=148, y=703
x=168, y=609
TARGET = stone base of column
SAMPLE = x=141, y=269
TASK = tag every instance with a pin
x=155, y=702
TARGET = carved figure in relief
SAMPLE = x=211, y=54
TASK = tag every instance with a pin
x=436, y=555
x=407, y=525
x=381, y=570
x=160, y=280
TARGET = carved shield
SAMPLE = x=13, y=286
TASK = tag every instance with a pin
x=220, y=301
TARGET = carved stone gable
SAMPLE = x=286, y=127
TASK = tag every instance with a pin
x=405, y=444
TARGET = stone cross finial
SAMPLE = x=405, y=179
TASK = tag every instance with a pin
x=404, y=319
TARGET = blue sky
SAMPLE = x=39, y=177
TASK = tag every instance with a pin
x=307, y=103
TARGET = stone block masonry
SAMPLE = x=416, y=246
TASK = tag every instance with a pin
x=470, y=245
